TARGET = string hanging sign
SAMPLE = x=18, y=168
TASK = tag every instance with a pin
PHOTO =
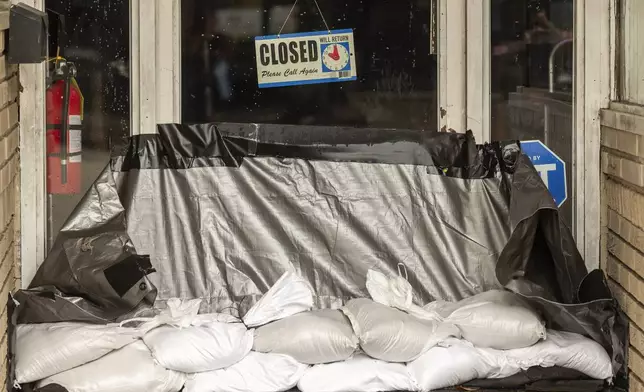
x=305, y=58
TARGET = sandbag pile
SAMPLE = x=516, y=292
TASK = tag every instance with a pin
x=381, y=344
x=457, y=361
x=178, y=349
x=43, y=350
x=131, y=368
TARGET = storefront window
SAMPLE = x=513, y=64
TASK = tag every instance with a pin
x=396, y=85
x=532, y=77
x=96, y=40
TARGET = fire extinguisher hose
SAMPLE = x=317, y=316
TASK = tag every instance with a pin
x=64, y=129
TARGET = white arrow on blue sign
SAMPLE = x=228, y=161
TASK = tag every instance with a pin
x=551, y=168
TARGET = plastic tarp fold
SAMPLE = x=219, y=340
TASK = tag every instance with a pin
x=92, y=272
x=220, y=211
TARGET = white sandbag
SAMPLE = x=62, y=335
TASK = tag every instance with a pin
x=184, y=313
x=257, y=372
x=495, y=319
x=43, y=350
x=189, y=342
x=395, y=292
x=392, y=335
x=319, y=336
x=358, y=374
x=130, y=369
x=568, y=350
x=201, y=348
x=443, y=367
x=500, y=297
x=288, y=296
x=460, y=362
x=182, y=309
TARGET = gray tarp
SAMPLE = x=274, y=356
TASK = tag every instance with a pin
x=223, y=210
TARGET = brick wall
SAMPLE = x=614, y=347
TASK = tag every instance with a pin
x=623, y=221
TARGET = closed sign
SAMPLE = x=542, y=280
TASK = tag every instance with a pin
x=305, y=58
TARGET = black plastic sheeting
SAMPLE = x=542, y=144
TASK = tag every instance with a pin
x=220, y=211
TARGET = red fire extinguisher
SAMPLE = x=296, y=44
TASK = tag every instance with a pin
x=64, y=126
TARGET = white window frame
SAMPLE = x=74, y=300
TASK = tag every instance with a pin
x=155, y=64
x=452, y=65
x=464, y=69
x=463, y=99
x=478, y=30
x=33, y=200
x=594, y=85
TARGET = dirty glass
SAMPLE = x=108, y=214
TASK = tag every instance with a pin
x=532, y=67
x=396, y=84
x=96, y=40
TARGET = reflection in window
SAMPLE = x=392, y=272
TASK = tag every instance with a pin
x=97, y=41
x=396, y=84
x=532, y=76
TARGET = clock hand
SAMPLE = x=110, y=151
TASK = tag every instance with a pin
x=335, y=55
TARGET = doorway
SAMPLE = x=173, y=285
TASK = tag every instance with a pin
x=467, y=61
x=433, y=64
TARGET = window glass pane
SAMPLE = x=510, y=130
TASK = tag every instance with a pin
x=97, y=42
x=632, y=75
x=396, y=84
x=532, y=67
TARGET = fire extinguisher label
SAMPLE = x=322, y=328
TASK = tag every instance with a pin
x=75, y=120
x=75, y=139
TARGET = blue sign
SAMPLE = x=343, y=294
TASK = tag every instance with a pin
x=305, y=58
x=550, y=167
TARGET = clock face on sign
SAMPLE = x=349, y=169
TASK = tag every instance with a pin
x=335, y=57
